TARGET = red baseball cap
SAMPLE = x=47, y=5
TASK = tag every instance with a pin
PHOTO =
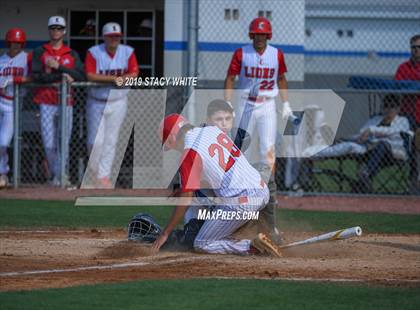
x=171, y=125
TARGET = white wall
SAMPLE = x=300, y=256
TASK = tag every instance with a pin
x=176, y=30
x=370, y=35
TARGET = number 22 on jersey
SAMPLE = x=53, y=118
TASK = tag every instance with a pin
x=223, y=141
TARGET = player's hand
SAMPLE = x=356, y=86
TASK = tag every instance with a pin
x=287, y=111
x=4, y=81
x=364, y=136
x=68, y=78
x=52, y=63
x=159, y=242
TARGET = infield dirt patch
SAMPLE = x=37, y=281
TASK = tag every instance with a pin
x=69, y=258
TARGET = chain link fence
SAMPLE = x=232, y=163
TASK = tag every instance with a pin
x=138, y=156
x=324, y=41
x=326, y=44
x=36, y=157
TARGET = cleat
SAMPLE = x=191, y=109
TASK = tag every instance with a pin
x=4, y=181
x=265, y=245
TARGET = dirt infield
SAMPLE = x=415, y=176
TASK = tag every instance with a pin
x=400, y=205
x=47, y=259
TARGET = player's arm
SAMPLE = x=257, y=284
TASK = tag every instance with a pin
x=229, y=85
x=281, y=79
x=233, y=71
x=133, y=67
x=38, y=73
x=283, y=87
x=176, y=216
x=190, y=172
x=77, y=73
x=28, y=77
x=92, y=76
x=101, y=78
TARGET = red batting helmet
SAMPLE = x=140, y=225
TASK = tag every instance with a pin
x=16, y=35
x=260, y=25
x=169, y=128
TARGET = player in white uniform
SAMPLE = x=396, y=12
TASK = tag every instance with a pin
x=261, y=70
x=210, y=156
x=14, y=68
x=106, y=110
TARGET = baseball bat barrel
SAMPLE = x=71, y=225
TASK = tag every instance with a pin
x=334, y=235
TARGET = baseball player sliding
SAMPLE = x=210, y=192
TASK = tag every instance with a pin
x=210, y=156
x=15, y=67
x=261, y=70
x=106, y=109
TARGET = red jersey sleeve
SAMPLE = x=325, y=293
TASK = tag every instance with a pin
x=190, y=171
x=235, y=63
x=133, y=66
x=282, y=63
x=90, y=63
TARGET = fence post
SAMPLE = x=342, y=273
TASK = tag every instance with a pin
x=192, y=52
x=16, y=136
x=63, y=131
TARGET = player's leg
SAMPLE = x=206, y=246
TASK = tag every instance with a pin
x=343, y=148
x=266, y=125
x=117, y=113
x=6, y=134
x=94, y=113
x=69, y=127
x=48, y=135
x=96, y=127
x=267, y=129
x=214, y=235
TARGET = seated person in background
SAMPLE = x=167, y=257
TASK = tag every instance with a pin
x=380, y=138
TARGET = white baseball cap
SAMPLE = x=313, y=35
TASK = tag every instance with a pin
x=56, y=21
x=111, y=29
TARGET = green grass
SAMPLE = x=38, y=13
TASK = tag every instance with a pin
x=214, y=294
x=350, y=168
x=328, y=221
x=25, y=214
x=42, y=214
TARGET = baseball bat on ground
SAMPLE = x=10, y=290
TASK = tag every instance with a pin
x=335, y=235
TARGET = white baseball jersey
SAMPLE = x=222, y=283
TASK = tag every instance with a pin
x=210, y=156
x=99, y=61
x=258, y=73
x=10, y=70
